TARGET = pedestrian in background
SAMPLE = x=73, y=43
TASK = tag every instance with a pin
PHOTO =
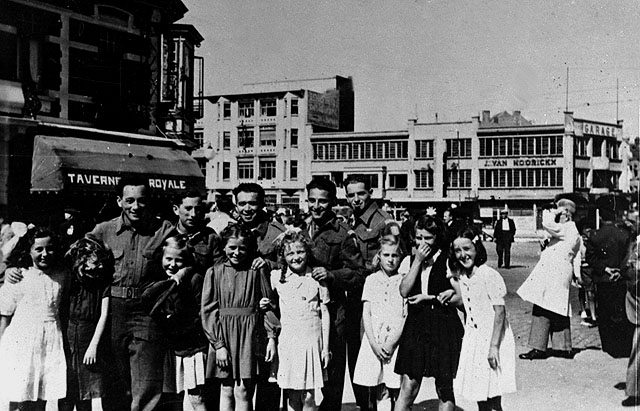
x=547, y=287
x=504, y=232
x=487, y=368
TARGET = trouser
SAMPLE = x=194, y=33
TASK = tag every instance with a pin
x=138, y=349
x=616, y=332
x=632, y=389
x=504, y=254
x=333, y=387
x=267, y=393
x=366, y=398
x=545, y=324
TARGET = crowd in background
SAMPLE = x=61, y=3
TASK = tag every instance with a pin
x=230, y=306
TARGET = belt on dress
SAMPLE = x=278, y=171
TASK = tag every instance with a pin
x=237, y=311
x=125, y=292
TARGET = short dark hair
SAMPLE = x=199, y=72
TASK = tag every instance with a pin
x=132, y=180
x=189, y=193
x=481, y=252
x=224, y=204
x=357, y=178
x=21, y=255
x=323, y=183
x=250, y=188
x=433, y=225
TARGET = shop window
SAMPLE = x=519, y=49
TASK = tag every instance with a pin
x=267, y=170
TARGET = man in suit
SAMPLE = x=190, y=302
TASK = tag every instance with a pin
x=503, y=233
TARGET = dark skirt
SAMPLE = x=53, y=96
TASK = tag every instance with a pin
x=86, y=382
x=430, y=343
x=616, y=332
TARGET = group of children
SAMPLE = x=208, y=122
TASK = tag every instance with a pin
x=215, y=322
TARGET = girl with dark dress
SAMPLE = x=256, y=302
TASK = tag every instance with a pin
x=88, y=308
x=432, y=336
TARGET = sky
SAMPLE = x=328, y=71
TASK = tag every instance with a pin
x=450, y=57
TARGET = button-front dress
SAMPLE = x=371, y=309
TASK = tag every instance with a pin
x=475, y=380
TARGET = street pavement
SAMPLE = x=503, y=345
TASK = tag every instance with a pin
x=585, y=383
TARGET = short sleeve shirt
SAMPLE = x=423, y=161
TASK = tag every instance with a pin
x=387, y=306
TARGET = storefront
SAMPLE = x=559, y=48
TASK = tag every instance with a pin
x=82, y=173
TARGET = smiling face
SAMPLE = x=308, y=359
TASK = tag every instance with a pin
x=133, y=202
x=465, y=253
x=42, y=252
x=173, y=259
x=319, y=203
x=236, y=251
x=190, y=213
x=247, y=206
x=389, y=258
x=358, y=197
x=295, y=255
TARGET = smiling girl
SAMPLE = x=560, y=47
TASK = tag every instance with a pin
x=487, y=360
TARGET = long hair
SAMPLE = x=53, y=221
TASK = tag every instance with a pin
x=86, y=249
x=21, y=255
x=286, y=239
x=481, y=252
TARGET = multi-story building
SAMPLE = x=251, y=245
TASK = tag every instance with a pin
x=99, y=70
x=263, y=134
x=494, y=162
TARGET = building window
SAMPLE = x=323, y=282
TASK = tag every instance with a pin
x=245, y=169
x=245, y=109
x=398, y=181
x=293, y=170
x=226, y=109
x=294, y=107
x=203, y=166
x=597, y=146
x=267, y=170
x=319, y=151
x=268, y=107
x=459, y=147
x=424, y=149
x=459, y=178
x=519, y=178
x=226, y=140
x=580, y=146
x=267, y=136
x=294, y=137
x=226, y=171
x=424, y=179
x=245, y=137
x=198, y=137
x=613, y=149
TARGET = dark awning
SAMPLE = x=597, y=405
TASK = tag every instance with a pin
x=95, y=165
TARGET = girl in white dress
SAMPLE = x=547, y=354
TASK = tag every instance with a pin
x=303, y=345
x=33, y=369
x=486, y=369
x=383, y=315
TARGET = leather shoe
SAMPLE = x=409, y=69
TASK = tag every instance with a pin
x=534, y=355
x=631, y=402
x=568, y=354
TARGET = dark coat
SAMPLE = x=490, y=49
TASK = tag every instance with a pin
x=504, y=237
x=606, y=247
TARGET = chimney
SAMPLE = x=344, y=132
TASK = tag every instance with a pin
x=516, y=113
x=486, y=115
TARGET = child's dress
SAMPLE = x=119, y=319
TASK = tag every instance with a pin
x=388, y=311
x=32, y=361
x=231, y=318
x=85, y=306
x=475, y=379
x=300, y=342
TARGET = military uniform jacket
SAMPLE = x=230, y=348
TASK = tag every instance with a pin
x=368, y=229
